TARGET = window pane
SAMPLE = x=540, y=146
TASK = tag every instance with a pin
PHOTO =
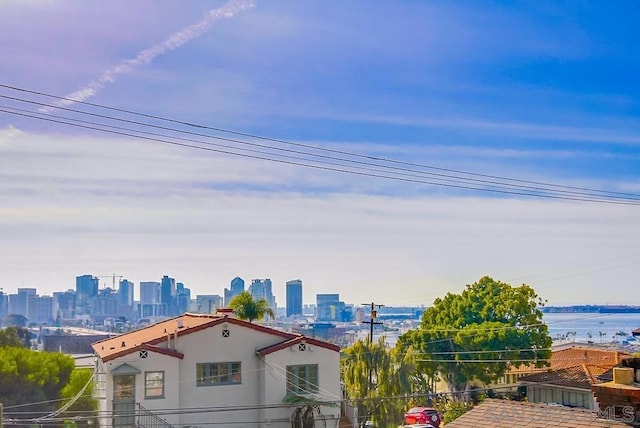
x=302, y=379
x=154, y=384
x=218, y=373
x=224, y=373
x=313, y=378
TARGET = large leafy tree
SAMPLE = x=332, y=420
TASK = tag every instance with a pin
x=479, y=333
x=79, y=389
x=245, y=307
x=381, y=380
x=32, y=380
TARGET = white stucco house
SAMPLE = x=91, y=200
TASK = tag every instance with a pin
x=213, y=370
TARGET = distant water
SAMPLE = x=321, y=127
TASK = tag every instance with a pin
x=601, y=327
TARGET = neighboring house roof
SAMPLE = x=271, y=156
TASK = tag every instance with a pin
x=520, y=414
x=146, y=338
x=575, y=356
x=636, y=332
x=582, y=376
x=572, y=357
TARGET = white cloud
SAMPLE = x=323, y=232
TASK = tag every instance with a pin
x=8, y=133
x=76, y=205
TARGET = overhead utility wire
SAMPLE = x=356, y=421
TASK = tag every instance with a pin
x=495, y=186
x=443, y=177
x=449, y=179
x=130, y=130
x=276, y=140
x=455, y=179
x=595, y=199
x=187, y=411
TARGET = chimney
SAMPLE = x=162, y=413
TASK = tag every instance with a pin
x=623, y=375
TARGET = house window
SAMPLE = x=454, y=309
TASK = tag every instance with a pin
x=153, y=384
x=302, y=379
x=218, y=374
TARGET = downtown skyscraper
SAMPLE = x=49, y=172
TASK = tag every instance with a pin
x=294, y=297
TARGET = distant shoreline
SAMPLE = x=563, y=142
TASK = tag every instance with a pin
x=597, y=309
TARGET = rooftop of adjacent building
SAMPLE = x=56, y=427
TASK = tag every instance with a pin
x=493, y=413
x=151, y=336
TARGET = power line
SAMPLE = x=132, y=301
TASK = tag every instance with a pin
x=387, y=170
x=438, y=176
x=65, y=121
x=297, y=144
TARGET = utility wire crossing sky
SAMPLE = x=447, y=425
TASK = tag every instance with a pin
x=399, y=153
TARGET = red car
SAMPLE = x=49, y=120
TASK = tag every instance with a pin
x=422, y=415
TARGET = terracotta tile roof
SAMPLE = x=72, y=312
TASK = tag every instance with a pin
x=154, y=334
x=519, y=414
x=526, y=369
x=572, y=357
x=575, y=356
x=582, y=376
x=147, y=338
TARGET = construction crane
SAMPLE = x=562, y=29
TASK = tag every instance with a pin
x=113, y=276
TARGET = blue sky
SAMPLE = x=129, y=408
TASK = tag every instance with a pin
x=540, y=91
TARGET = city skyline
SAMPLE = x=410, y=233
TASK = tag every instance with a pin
x=397, y=151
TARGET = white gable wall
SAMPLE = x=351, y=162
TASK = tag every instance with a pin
x=263, y=382
x=328, y=374
x=154, y=362
x=209, y=346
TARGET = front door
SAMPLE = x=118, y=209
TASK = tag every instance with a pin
x=124, y=401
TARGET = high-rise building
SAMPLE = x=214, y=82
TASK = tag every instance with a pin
x=40, y=309
x=261, y=289
x=106, y=304
x=149, y=299
x=208, y=304
x=4, y=305
x=24, y=294
x=294, y=297
x=168, y=295
x=86, y=293
x=236, y=287
x=149, y=292
x=328, y=307
x=183, y=299
x=64, y=305
x=125, y=293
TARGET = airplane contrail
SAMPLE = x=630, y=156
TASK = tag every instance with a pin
x=144, y=57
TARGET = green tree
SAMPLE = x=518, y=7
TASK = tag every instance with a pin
x=17, y=337
x=393, y=377
x=479, y=333
x=80, y=388
x=245, y=307
x=33, y=378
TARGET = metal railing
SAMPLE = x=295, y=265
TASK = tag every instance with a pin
x=147, y=419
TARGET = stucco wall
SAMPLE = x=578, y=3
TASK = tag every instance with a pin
x=256, y=399
x=328, y=375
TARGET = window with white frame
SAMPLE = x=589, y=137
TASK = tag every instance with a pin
x=302, y=379
x=153, y=385
x=227, y=373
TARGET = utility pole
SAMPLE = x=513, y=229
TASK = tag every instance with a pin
x=372, y=322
